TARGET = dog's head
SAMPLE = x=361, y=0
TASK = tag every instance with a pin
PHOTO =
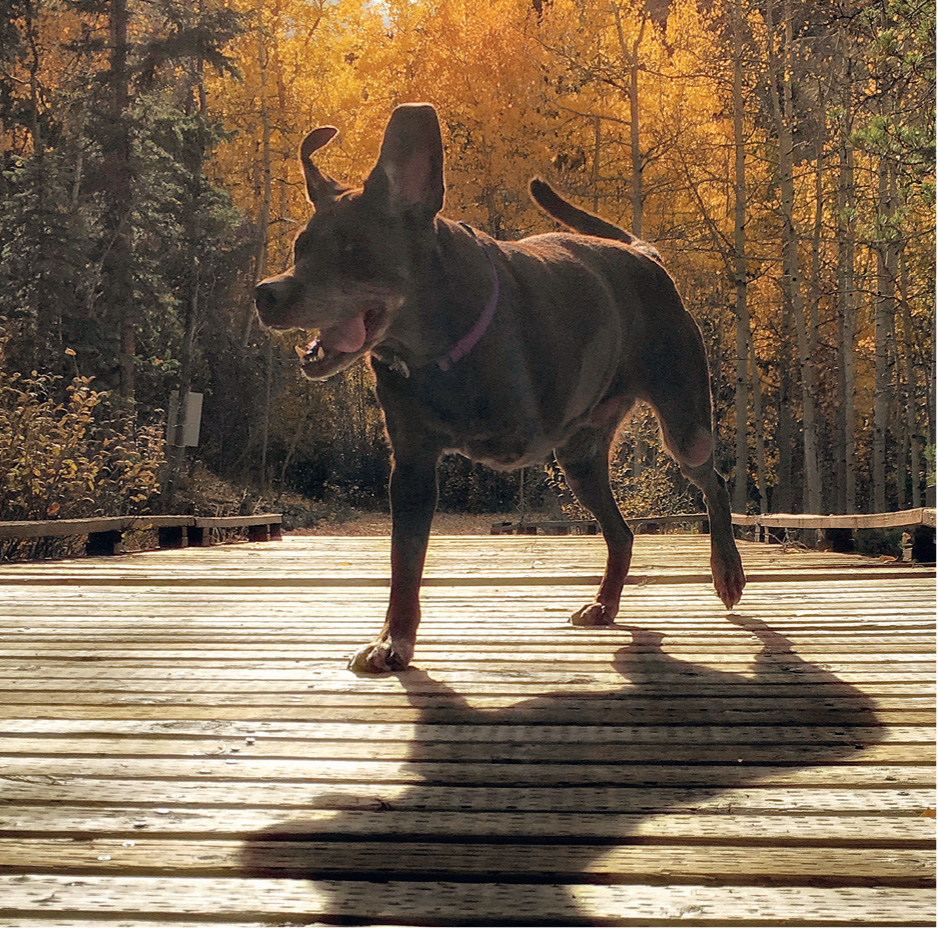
x=352, y=263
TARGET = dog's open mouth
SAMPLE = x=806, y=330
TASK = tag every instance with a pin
x=335, y=347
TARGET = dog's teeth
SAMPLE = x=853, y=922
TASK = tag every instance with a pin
x=311, y=353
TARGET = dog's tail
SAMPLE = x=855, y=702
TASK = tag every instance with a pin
x=582, y=221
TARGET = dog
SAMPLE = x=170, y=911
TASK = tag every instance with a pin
x=502, y=351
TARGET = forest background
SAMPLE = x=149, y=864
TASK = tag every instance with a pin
x=779, y=153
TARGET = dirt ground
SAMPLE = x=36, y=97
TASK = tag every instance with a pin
x=208, y=495
x=377, y=523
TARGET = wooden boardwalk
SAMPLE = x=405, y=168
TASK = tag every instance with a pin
x=180, y=741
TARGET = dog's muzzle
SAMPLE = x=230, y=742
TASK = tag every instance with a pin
x=273, y=296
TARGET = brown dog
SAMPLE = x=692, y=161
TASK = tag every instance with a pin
x=503, y=351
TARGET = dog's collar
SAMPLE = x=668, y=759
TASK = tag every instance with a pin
x=474, y=334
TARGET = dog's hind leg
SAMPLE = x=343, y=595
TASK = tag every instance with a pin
x=585, y=463
x=677, y=387
x=689, y=440
x=725, y=563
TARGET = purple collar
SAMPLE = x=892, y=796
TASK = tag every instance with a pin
x=474, y=335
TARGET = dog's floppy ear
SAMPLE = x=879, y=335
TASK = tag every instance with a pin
x=322, y=189
x=409, y=171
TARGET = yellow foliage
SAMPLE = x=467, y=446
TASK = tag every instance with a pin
x=70, y=458
x=606, y=97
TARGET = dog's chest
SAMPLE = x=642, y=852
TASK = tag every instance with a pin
x=506, y=426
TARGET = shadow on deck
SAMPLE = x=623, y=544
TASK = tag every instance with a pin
x=398, y=843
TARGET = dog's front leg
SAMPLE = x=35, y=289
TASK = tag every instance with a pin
x=413, y=492
x=585, y=463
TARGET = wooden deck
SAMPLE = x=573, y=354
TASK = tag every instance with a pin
x=180, y=741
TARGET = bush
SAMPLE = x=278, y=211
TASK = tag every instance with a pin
x=65, y=455
x=645, y=480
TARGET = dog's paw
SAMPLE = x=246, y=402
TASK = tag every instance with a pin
x=381, y=657
x=728, y=579
x=593, y=614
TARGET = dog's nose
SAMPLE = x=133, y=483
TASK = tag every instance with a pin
x=265, y=297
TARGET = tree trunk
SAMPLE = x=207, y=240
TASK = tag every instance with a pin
x=48, y=321
x=781, y=78
x=784, y=497
x=638, y=195
x=630, y=57
x=176, y=454
x=882, y=331
x=740, y=484
x=117, y=275
x=491, y=208
x=903, y=442
x=263, y=217
x=196, y=101
x=845, y=448
x=815, y=292
x=914, y=432
x=597, y=151
x=265, y=424
x=758, y=416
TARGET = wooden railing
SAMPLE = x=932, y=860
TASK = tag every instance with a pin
x=591, y=526
x=835, y=532
x=103, y=535
x=906, y=518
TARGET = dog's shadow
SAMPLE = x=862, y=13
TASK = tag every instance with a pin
x=781, y=691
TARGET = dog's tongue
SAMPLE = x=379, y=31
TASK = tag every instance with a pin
x=347, y=337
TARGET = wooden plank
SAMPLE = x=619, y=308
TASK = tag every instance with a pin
x=88, y=661
x=367, y=709
x=71, y=527
x=454, y=649
x=558, y=527
x=887, y=520
x=431, y=654
x=428, y=708
x=310, y=583
x=594, y=692
x=286, y=618
x=58, y=527
x=137, y=523
x=907, y=801
x=295, y=901
x=674, y=864
x=181, y=708
x=532, y=827
x=226, y=768
x=236, y=522
x=494, y=733
x=587, y=694
x=760, y=754
x=326, y=658
x=640, y=636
